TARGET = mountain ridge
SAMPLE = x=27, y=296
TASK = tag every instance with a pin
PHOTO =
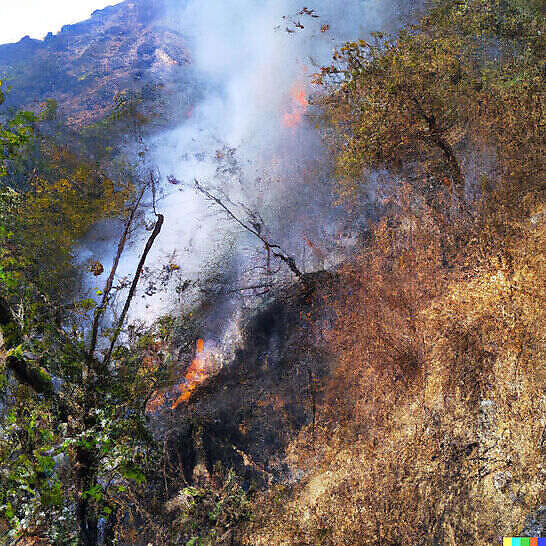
x=83, y=67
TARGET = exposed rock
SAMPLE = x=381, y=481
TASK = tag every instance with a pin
x=535, y=524
x=122, y=47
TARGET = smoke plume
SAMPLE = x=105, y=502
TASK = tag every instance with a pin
x=251, y=140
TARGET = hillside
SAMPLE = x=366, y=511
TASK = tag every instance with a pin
x=305, y=309
x=121, y=47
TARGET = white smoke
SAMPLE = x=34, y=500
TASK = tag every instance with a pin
x=253, y=54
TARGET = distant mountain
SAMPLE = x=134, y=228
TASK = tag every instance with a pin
x=127, y=46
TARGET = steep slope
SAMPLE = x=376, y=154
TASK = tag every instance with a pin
x=127, y=46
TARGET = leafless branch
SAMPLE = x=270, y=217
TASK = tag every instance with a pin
x=132, y=290
x=271, y=249
x=109, y=283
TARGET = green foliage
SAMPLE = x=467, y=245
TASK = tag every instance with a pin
x=39, y=228
x=50, y=200
x=31, y=493
x=207, y=514
x=37, y=453
x=83, y=412
x=49, y=111
x=14, y=134
x=420, y=97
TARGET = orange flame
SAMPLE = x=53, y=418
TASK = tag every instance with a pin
x=196, y=374
x=316, y=251
x=298, y=107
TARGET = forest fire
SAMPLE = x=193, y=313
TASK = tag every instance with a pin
x=196, y=374
x=298, y=107
x=318, y=254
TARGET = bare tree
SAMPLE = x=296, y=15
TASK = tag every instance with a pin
x=255, y=226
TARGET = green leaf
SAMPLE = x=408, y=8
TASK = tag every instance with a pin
x=51, y=494
x=135, y=474
x=8, y=511
x=94, y=492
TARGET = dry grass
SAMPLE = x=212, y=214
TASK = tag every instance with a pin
x=432, y=425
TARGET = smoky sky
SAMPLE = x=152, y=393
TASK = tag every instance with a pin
x=251, y=139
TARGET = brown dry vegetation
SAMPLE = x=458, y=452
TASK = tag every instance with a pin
x=430, y=430
x=431, y=427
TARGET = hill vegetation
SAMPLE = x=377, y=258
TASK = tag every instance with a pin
x=431, y=425
x=84, y=66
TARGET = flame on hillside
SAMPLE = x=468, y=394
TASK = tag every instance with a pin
x=317, y=252
x=298, y=107
x=198, y=372
x=209, y=359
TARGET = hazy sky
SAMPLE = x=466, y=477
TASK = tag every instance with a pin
x=38, y=17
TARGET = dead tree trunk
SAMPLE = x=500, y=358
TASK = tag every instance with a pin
x=109, y=283
x=132, y=289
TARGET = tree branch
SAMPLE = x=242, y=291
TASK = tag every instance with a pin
x=109, y=283
x=435, y=135
x=132, y=290
x=288, y=260
x=28, y=371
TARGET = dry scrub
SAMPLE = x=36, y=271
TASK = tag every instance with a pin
x=431, y=429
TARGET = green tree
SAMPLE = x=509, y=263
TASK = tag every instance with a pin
x=73, y=439
x=413, y=103
x=91, y=406
x=15, y=132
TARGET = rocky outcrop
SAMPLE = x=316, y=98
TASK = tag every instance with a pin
x=127, y=46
